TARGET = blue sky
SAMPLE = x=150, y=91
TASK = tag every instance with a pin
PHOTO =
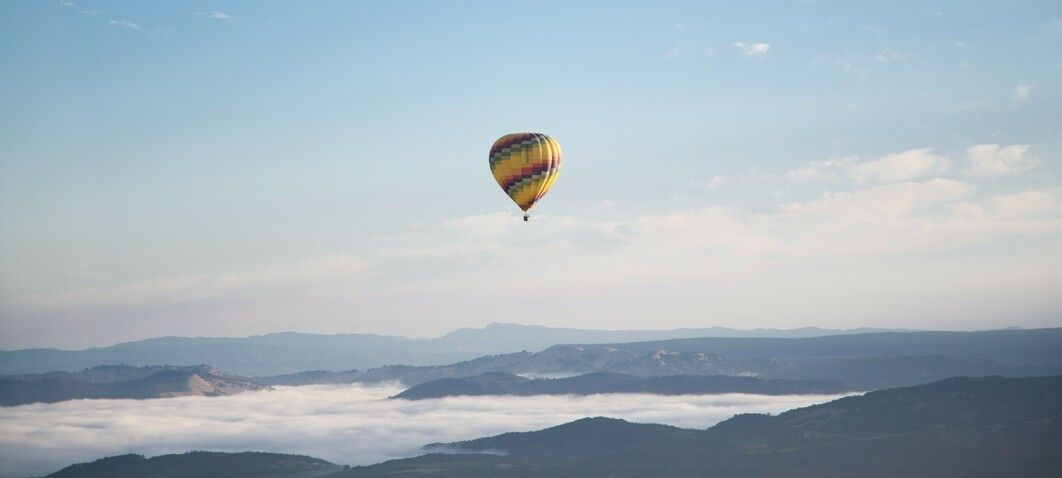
x=229, y=168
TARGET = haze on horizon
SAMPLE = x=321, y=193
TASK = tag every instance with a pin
x=193, y=168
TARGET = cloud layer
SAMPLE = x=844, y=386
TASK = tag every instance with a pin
x=888, y=241
x=343, y=424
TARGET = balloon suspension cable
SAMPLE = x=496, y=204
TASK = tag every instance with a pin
x=526, y=217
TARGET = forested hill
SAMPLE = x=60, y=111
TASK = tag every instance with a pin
x=971, y=427
x=201, y=464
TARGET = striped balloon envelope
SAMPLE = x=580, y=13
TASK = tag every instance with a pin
x=525, y=166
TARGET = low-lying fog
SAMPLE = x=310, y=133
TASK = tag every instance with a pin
x=350, y=424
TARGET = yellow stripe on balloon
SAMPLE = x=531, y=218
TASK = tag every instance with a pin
x=525, y=165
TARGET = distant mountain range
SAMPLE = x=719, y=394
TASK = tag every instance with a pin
x=864, y=361
x=121, y=382
x=970, y=427
x=290, y=352
x=500, y=383
x=769, y=365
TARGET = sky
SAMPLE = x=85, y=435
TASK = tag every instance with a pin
x=237, y=168
x=349, y=424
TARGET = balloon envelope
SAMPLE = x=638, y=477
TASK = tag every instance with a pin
x=525, y=166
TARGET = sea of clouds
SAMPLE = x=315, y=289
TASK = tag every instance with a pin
x=349, y=424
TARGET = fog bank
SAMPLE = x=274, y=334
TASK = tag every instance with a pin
x=349, y=424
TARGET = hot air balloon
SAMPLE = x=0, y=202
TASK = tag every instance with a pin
x=525, y=166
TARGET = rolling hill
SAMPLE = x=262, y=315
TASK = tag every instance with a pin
x=972, y=427
x=201, y=464
x=121, y=382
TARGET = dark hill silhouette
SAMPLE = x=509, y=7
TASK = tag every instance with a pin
x=971, y=427
x=201, y=464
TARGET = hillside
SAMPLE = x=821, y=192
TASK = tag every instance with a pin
x=973, y=427
x=499, y=383
x=201, y=464
x=121, y=382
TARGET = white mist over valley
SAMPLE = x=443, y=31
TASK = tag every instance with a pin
x=348, y=424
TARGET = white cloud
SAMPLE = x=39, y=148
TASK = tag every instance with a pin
x=880, y=202
x=1022, y=91
x=337, y=269
x=1022, y=203
x=214, y=14
x=344, y=424
x=903, y=166
x=604, y=267
x=910, y=164
x=67, y=3
x=719, y=262
x=753, y=49
x=996, y=160
x=886, y=55
x=679, y=27
x=125, y=23
x=823, y=170
x=707, y=245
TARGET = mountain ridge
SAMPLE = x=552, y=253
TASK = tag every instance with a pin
x=500, y=383
x=887, y=360
x=863, y=361
x=291, y=352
